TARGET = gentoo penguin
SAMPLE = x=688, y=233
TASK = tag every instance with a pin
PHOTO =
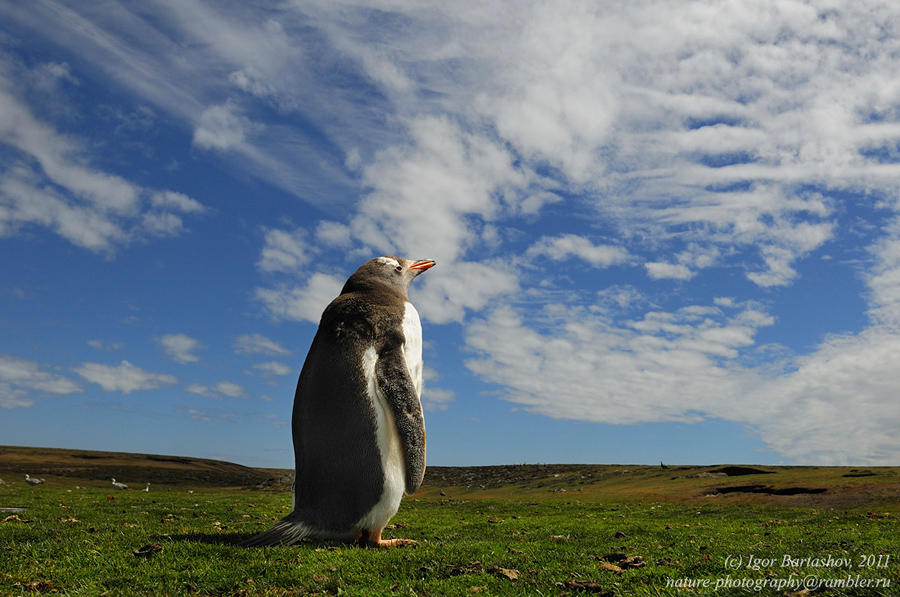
x=358, y=429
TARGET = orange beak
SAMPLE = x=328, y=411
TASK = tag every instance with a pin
x=423, y=264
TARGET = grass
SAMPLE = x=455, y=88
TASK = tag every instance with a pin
x=527, y=541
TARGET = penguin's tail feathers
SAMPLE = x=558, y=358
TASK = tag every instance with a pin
x=283, y=532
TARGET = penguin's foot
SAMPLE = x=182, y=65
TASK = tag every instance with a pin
x=395, y=543
x=373, y=539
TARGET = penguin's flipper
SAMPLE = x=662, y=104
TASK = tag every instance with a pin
x=399, y=392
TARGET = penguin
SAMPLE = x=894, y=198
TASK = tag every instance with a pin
x=357, y=423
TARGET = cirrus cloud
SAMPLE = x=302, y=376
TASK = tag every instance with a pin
x=48, y=181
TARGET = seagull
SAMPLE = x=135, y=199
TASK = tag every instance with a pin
x=147, y=488
x=118, y=485
x=32, y=481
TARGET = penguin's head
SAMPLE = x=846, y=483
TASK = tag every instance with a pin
x=386, y=272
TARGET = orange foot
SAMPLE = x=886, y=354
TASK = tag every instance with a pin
x=373, y=539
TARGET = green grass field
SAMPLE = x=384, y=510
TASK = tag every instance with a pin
x=641, y=532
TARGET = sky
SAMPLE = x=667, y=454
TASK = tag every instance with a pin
x=664, y=230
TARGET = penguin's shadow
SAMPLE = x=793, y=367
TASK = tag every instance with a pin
x=236, y=539
x=209, y=538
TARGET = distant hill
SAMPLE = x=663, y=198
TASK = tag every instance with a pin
x=133, y=469
x=818, y=486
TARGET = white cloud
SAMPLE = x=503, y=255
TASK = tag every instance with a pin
x=230, y=389
x=334, y=234
x=556, y=101
x=840, y=405
x=218, y=391
x=884, y=278
x=588, y=366
x=180, y=347
x=694, y=257
x=47, y=77
x=179, y=60
x=222, y=127
x=48, y=182
x=125, y=377
x=21, y=378
x=24, y=200
x=100, y=344
x=665, y=150
x=259, y=344
x=106, y=193
x=161, y=224
x=200, y=389
x=650, y=109
x=672, y=128
x=426, y=190
x=434, y=399
x=252, y=83
x=198, y=414
x=11, y=397
x=273, y=368
x=779, y=272
x=570, y=245
x=677, y=271
x=178, y=201
x=206, y=416
x=284, y=251
x=835, y=406
x=444, y=294
x=301, y=303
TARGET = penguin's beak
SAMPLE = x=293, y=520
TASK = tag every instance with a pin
x=422, y=265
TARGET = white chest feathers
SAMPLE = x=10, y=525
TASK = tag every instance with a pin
x=387, y=436
x=412, y=348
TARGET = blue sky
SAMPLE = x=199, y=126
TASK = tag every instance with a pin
x=664, y=230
